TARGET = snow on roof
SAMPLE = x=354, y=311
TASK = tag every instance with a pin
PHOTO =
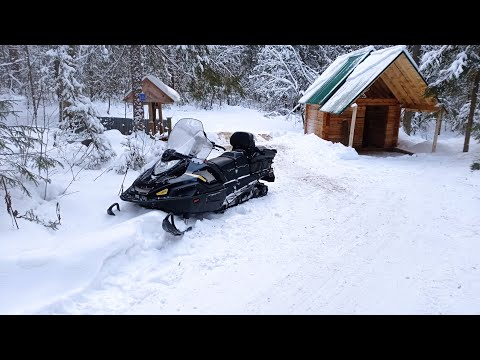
x=165, y=88
x=162, y=86
x=363, y=75
x=333, y=69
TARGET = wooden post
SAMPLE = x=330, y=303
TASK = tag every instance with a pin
x=440, y=126
x=169, y=125
x=160, y=118
x=352, y=125
x=305, y=123
x=153, y=119
x=150, y=117
x=437, y=129
x=471, y=113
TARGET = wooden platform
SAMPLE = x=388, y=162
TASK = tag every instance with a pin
x=367, y=150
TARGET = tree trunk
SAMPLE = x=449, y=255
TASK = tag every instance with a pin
x=407, y=117
x=473, y=104
x=71, y=51
x=60, y=111
x=407, y=122
x=32, y=87
x=14, y=58
x=136, y=71
x=15, y=66
x=59, y=90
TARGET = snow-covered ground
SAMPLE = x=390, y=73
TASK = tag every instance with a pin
x=338, y=233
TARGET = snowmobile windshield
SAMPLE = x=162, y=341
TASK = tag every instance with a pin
x=188, y=138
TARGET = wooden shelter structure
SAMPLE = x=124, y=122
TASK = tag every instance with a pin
x=154, y=94
x=358, y=99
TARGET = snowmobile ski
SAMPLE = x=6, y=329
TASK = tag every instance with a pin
x=169, y=226
x=110, y=211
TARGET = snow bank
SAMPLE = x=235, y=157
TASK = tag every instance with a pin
x=314, y=148
x=426, y=147
x=47, y=274
x=236, y=118
x=447, y=143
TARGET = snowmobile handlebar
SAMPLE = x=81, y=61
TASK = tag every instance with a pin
x=218, y=146
x=171, y=154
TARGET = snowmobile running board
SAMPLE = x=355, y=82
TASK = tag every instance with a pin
x=169, y=226
x=110, y=211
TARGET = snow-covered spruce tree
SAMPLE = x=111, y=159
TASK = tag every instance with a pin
x=164, y=62
x=135, y=143
x=319, y=57
x=218, y=74
x=79, y=120
x=10, y=68
x=408, y=115
x=457, y=84
x=20, y=161
x=195, y=73
x=105, y=71
x=413, y=122
x=283, y=72
x=13, y=143
x=280, y=76
x=204, y=74
x=136, y=71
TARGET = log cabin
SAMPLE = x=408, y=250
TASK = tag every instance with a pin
x=368, y=89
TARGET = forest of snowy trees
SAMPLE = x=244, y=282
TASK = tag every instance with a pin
x=269, y=77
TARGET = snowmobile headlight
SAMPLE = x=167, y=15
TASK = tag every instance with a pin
x=162, y=192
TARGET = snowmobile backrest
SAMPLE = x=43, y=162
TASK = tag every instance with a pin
x=243, y=141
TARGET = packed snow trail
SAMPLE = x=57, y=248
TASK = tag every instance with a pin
x=337, y=234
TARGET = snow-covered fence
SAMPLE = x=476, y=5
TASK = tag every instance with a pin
x=124, y=125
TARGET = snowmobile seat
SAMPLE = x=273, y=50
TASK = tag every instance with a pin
x=241, y=162
x=243, y=141
x=223, y=162
x=226, y=165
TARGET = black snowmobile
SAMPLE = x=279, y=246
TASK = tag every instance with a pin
x=183, y=182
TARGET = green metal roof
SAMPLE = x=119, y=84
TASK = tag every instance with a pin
x=364, y=74
x=328, y=87
x=334, y=76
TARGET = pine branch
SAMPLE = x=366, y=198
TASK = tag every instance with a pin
x=8, y=201
x=31, y=216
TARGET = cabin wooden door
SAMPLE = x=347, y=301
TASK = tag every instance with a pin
x=375, y=126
